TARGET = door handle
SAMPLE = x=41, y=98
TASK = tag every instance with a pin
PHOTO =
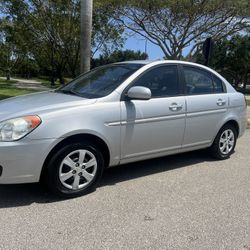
x=175, y=106
x=221, y=102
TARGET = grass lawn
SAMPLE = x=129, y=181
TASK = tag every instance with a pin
x=248, y=102
x=8, y=90
x=4, y=81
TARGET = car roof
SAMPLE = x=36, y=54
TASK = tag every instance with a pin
x=136, y=62
x=159, y=62
x=145, y=62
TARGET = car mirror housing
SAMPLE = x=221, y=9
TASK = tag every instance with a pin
x=139, y=93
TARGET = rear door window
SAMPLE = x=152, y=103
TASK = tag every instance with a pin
x=197, y=81
x=218, y=85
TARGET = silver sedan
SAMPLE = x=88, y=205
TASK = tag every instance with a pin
x=116, y=114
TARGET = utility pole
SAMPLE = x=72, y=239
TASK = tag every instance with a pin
x=85, y=36
x=146, y=46
x=207, y=50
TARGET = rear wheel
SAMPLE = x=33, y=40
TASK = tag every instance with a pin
x=224, y=142
x=75, y=170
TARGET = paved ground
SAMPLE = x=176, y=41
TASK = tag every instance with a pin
x=28, y=84
x=187, y=201
x=31, y=85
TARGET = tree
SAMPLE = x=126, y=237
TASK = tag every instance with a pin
x=86, y=31
x=231, y=57
x=176, y=25
x=50, y=31
x=118, y=56
x=10, y=54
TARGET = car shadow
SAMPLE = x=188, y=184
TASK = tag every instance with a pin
x=139, y=169
x=26, y=194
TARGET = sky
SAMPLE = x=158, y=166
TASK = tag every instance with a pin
x=154, y=52
x=138, y=43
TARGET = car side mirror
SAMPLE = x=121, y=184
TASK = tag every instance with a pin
x=139, y=93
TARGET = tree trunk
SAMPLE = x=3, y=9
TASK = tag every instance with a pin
x=52, y=79
x=61, y=79
x=85, y=36
x=8, y=75
x=245, y=83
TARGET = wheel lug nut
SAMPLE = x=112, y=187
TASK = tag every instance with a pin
x=73, y=172
x=80, y=174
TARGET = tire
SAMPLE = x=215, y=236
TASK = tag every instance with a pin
x=75, y=170
x=226, y=136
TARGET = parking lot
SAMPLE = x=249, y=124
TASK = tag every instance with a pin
x=187, y=201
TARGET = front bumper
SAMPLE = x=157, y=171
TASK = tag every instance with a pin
x=22, y=161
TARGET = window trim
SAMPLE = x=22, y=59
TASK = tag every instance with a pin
x=179, y=81
x=212, y=76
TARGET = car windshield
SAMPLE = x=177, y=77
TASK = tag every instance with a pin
x=101, y=81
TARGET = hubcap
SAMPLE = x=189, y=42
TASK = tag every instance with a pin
x=226, y=141
x=78, y=169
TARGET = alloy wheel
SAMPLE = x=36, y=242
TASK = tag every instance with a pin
x=78, y=169
x=226, y=142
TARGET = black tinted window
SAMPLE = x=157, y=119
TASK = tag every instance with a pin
x=162, y=81
x=218, y=86
x=198, y=81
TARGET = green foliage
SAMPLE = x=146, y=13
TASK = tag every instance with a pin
x=231, y=57
x=48, y=35
x=118, y=56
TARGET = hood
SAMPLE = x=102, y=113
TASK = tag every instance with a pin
x=39, y=103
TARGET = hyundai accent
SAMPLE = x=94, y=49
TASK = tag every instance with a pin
x=116, y=114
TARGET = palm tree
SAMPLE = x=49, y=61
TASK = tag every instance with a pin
x=86, y=31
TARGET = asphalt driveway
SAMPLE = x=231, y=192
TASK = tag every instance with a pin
x=188, y=201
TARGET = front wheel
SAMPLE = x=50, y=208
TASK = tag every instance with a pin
x=75, y=170
x=224, y=142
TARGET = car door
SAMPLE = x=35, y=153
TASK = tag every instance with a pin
x=153, y=127
x=207, y=103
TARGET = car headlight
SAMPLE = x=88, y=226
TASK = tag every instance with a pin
x=17, y=128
